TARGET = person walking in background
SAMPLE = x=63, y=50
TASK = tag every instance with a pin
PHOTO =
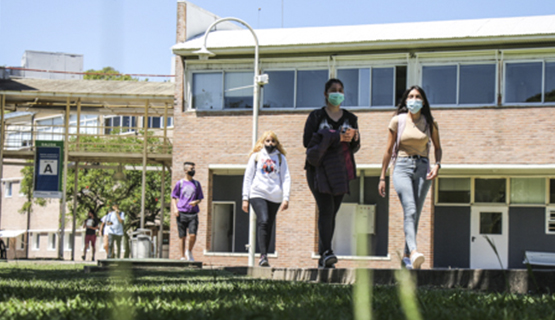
x=114, y=229
x=266, y=186
x=186, y=196
x=331, y=137
x=411, y=132
x=90, y=225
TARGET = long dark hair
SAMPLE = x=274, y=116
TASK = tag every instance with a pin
x=426, y=111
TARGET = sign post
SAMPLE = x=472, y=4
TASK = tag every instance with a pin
x=47, y=180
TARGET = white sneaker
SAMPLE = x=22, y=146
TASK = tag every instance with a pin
x=183, y=258
x=189, y=255
x=417, y=259
x=407, y=263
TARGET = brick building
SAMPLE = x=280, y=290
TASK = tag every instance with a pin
x=490, y=83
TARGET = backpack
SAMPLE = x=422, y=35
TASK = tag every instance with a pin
x=401, y=124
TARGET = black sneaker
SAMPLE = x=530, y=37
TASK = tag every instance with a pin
x=327, y=260
x=83, y=257
x=263, y=261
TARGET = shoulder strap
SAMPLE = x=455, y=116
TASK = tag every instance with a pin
x=401, y=123
x=279, y=157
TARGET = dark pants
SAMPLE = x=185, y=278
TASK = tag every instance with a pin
x=111, y=239
x=266, y=212
x=328, y=205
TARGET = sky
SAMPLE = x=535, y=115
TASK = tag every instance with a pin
x=136, y=36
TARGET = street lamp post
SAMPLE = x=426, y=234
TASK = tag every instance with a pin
x=259, y=80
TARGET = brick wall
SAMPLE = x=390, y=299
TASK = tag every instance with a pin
x=469, y=136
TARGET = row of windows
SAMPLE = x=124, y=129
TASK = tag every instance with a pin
x=448, y=84
x=521, y=191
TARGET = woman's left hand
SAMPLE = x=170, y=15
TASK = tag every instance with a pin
x=284, y=206
x=433, y=173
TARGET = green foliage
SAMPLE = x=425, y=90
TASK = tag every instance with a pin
x=33, y=291
x=27, y=190
x=118, y=143
x=107, y=73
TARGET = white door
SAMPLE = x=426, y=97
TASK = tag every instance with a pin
x=222, y=227
x=343, y=242
x=493, y=223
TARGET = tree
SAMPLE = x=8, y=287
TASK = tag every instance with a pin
x=107, y=73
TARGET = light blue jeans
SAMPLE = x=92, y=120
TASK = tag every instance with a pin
x=409, y=179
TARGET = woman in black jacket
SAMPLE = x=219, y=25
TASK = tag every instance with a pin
x=331, y=137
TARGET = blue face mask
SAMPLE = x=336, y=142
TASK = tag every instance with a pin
x=335, y=98
x=414, y=105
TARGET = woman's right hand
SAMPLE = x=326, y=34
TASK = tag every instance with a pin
x=347, y=136
x=246, y=206
x=381, y=188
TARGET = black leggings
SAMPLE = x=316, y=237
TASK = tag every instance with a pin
x=328, y=205
x=265, y=217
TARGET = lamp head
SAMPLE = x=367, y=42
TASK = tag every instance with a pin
x=203, y=53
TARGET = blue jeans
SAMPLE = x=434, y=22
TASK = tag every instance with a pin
x=409, y=179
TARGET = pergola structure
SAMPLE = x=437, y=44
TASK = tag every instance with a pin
x=95, y=97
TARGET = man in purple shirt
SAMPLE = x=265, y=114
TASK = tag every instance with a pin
x=186, y=196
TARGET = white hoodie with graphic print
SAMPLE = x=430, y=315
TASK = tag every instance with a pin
x=270, y=180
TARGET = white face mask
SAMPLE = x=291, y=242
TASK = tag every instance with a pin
x=414, y=105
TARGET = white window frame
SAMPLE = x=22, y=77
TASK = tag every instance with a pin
x=8, y=192
x=52, y=239
x=543, y=62
x=53, y=130
x=129, y=130
x=36, y=241
x=20, y=242
x=548, y=219
x=458, y=65
x=67, y=241
x=384, y=64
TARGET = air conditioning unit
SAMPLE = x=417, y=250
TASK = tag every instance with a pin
x=365, y=218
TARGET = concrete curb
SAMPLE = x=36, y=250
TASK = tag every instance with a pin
x=514, y=281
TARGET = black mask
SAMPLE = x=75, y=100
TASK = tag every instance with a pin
x=270, y=148
x=191, y=173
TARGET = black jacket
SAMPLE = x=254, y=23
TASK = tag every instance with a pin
x=325, y=153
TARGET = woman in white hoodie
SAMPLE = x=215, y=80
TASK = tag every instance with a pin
x=266, y=185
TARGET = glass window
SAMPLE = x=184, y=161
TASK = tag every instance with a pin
x=551, y=190
x=9, y=189
x=52, y=245
x=549, y=82
x=310, y=88
x=280, y=91
x=155, y=122
x=491, y=222
x=207, y=91
x=22, y=242
x=477, y=84
x=454, y=190
x=528, y=190
x=37, y=241
x=235, y=98
x=490, y=190
x=400, y=82
x=382, y=86
x=523, y=82
x=357, y=86
x=440, y=84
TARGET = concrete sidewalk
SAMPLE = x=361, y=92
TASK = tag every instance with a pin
x=515, y=280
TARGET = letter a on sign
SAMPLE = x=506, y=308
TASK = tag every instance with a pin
x=48, y=167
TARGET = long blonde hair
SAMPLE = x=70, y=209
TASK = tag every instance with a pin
x=260, y=143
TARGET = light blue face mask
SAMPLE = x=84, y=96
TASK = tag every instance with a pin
x=414, y=105
x=335, y=98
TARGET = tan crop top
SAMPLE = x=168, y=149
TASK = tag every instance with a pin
x=414, y=140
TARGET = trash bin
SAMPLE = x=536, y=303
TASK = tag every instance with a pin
x=141, y=244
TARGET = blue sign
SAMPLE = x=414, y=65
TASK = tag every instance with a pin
x=48, y=169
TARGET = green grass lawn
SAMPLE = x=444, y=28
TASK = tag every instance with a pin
x=38, y=291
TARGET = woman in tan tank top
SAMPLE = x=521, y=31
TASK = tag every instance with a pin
x=411, y=132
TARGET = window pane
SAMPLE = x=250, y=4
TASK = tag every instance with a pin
x=116, y=121
x=156, y=123
x=454, y=190
x=528, y=190
x=400, y=82
x=523, y=82
x=357, y=86
x=549, y=81
x=126, y=121
x=207, y=91
x=477, y=84
x=491, y=222
x=382, y=86
x=280, y=91
x=238, y=98
x=310, y=88
x=440, y=84
x=490, y=190
x=552, y=191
